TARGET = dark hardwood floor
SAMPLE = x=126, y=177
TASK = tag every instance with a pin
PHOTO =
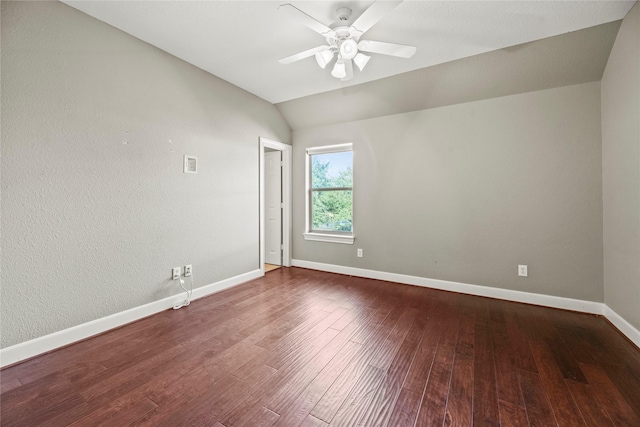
x=306, y=348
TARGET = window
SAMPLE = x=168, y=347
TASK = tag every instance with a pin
x=330, y=194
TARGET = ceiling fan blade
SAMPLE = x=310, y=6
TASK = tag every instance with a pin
x=371, y=16
x=399, y=50
x=348, y=66
x=303, y=55
x=309, y=21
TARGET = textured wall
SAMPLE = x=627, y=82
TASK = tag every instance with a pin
x=621, y=171
x=95, y=207
x=467, y=192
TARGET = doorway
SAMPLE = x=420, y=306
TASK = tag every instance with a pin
x=272, y=208
x=275, y=204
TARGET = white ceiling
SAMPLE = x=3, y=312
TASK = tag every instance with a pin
x=241, y=41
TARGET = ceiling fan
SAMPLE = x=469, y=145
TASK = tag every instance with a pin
x=345, y=41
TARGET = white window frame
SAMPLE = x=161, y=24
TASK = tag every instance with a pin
x=331, y=237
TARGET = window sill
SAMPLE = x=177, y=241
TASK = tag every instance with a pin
x=330, y=238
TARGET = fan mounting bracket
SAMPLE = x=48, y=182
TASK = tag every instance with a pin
x=344, y=13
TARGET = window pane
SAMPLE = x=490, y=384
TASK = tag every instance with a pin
x=332, y=170
x=331, y=210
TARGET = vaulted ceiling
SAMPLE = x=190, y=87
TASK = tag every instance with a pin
x=241, y=41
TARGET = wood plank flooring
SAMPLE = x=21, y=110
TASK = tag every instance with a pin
x=305, y=348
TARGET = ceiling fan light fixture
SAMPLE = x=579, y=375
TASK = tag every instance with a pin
x=348, y=49
x=361, y=60
x=344, y=40
x=339, y=71
x=324, y=57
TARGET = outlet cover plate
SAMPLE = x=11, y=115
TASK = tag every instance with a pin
x=523, y=270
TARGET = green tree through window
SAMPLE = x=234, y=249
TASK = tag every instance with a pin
x=332, y=191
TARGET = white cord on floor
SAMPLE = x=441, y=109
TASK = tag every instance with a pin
x=187, y=301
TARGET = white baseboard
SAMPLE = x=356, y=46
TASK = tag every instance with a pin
x=485, y=291
x=28, y=349
x=463, y=288
x=623, y=326
x=34, y=347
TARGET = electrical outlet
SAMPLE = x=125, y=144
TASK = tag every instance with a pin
x=522, y=271
x=359, y=252
x=187, y=270
x=175, y=273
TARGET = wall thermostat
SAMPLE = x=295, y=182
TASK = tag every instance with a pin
x=190, y=164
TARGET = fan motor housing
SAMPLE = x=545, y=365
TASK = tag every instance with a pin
x=342, y=34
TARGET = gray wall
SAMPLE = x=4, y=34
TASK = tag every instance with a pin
x=621, y=171
x=95, y=207
x=563, y=60
x=467, y=192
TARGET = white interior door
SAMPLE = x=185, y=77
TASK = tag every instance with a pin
x=273, y=207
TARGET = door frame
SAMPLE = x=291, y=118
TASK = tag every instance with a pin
x=286, y=150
